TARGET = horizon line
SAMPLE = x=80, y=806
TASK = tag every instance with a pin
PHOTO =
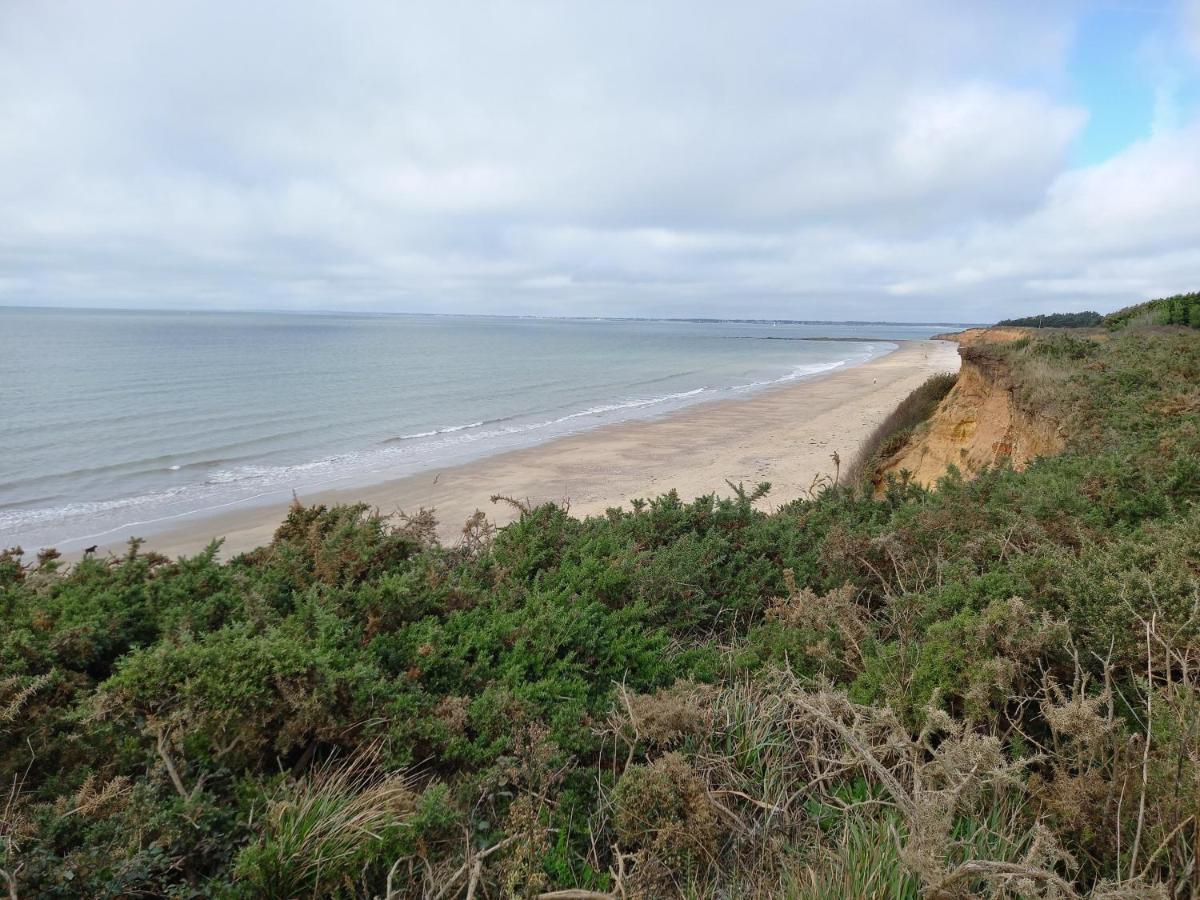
x=569, y=318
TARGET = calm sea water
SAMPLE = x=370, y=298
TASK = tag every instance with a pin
x=115, y=423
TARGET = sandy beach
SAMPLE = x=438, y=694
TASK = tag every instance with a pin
x=784, y=435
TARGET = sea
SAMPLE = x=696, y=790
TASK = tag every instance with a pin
x=116, y=422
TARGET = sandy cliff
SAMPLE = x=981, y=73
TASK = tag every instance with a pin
x=978, y=423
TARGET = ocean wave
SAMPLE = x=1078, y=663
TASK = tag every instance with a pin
x=450, y=429
x=142, y=465
x=625, y=404
x=797, y=372
x=590, y=411
x=13, y=519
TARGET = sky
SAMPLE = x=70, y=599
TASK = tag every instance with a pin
x=900, y=160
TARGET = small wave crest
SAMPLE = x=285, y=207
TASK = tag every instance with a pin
x=436, y=431
x=591, y=411
x=797, y=372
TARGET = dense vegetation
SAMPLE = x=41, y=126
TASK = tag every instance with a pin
x=990, y=688
x=1181, y=309
x=1087, y=319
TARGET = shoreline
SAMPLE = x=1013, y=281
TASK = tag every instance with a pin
x=784, y=435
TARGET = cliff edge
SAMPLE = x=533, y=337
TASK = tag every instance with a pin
x=979, y=423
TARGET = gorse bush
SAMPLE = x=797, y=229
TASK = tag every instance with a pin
x=988, y=689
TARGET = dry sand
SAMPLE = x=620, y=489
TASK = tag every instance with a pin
x=784, y=435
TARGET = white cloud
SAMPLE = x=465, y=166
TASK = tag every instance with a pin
x=982, y=140
x=907, y=159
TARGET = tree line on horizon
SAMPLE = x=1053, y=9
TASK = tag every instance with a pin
x=1087, y=319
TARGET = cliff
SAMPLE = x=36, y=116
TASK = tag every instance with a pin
x=979, y=423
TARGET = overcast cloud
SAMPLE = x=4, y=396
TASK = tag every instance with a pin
x=885, y=160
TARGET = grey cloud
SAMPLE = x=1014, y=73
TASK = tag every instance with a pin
x=884, y=160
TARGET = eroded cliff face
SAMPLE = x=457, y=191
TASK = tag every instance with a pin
x=977, y=424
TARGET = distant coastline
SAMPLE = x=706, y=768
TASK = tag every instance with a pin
x=695, y=320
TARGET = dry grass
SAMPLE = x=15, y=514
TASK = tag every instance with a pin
x=15, y=693
x=946, y=811
x=320, y=826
